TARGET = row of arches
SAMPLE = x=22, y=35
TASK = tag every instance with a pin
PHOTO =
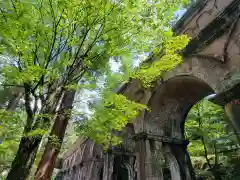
x=170, y=104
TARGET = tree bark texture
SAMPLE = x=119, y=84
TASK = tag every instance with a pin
x=28, y=147
x=24, y=158
x=48, y=160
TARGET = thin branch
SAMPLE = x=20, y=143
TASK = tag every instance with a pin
x=70, y=33
x=202, y=139
x=14, y=7
x=5, y=18
x=36, y=60
x=35, y=104
x=83, y=39
x=54, y=38
x=215, y=173
x=98, y=34
x=73, y=68
x=28, y=107
x=19, y=64
x=78, y=51
x=52, y=47
x=96, y=56
x=60, y=49
x=52, y=10
x=216, y=154
x=39, y=82
x=206, y=153
x=109, y=30
x=76, y=78
x=12, y=85
x=60, y=18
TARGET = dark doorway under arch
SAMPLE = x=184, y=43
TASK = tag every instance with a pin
x=120, y=172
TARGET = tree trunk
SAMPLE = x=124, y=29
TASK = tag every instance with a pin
x=28, y=147
x=47, y=163
x=24, y=158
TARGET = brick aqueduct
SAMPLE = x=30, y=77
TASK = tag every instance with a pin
x=211, y=64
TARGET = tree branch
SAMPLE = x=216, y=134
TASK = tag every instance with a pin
x=5, y=18
x=78, y=77
x=98, y=34
x=14, y=7
x=29, y=111
x=12, y=85
x=202, y=139
x=83, y=39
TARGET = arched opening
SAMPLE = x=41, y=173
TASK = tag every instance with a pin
x=123, y=174
x=171, y=103
x=169, y=106
x=101, y=174
x=120, y=171
x=213, y=143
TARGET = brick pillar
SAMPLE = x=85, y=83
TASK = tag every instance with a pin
x=179, y=161
x=77, y=172
x=108, y=166
x=154, y=160
x=232, y=109
x=147, y=159
x=154, y=149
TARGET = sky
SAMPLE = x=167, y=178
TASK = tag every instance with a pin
x=180, y=12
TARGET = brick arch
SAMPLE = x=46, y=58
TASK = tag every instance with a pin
x=211, y=72
x=219, y=76
x=170, y=103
